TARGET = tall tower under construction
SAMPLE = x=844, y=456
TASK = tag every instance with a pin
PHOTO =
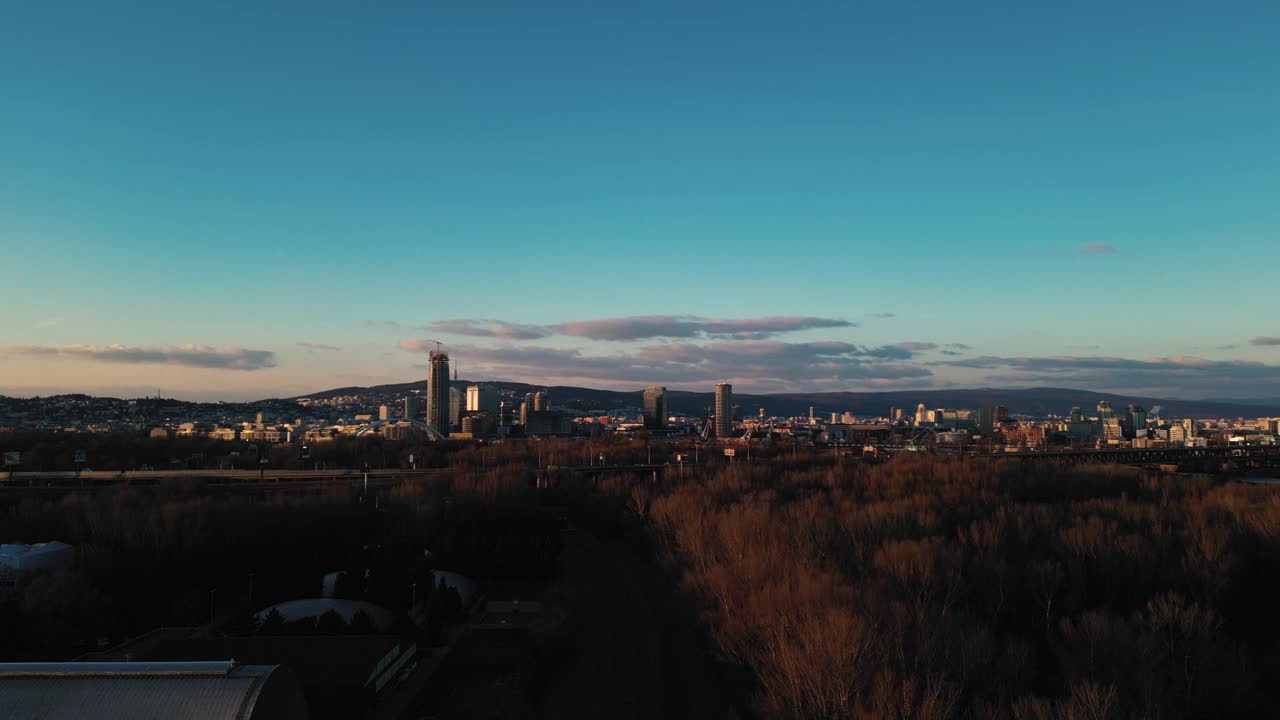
x=724, y=410
x=438, y=391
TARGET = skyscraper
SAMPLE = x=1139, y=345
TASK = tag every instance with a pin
x=411, y=406
x=724, y=410
x=986, y=419
x=655, y=408
x=438, y=391
x=457, y=403
x=541, y=401
x=482, y=398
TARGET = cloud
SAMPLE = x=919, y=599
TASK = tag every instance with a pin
x=754, y=363
x=490, y=328
x=958, y=346
x=882, y=315
x=916, y=346
x=198, y=356
x=1264, y=341
x=641, y=327
x=312, y=347
x=1097, y=248
x=1182, y=375
x=689, y=326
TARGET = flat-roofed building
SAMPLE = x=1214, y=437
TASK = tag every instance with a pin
x=221, y=690
x=655, y=408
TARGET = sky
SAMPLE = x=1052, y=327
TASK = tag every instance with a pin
x=244, y=199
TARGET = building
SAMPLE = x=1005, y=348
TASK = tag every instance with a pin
x=724, y=410
x=541, y=401
x=1002, y=414
x=655, y=408
x=128, y=690
x=1112, y=432
x=986, y=420
x=482, y=398
x=438, y=391
x=384, y=412
x=457, y=403
x=1137, y=421
x=411, y=407
x=922, y=415
x=541, y=423
x=224, y=433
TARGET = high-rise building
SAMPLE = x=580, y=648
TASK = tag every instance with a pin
x=457, y=402
x=438, y=391
x=1135, y=421
x=1002, y=414
x=922, y=415
x=986, y=419
x=724, y=410
x=1104, y=410
x=411, y=407
x=384, y=412
x=812, y=420
x=541, y=402
x=482, y=398
x=655, y=408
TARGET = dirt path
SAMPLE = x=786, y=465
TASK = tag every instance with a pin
x=629, y=664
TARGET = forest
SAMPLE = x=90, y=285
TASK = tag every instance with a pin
x=927, y=588
x=826, y=586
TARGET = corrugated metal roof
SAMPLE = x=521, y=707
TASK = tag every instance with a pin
x=148, y=691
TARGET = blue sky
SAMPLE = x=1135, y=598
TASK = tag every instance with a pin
x=239, y=201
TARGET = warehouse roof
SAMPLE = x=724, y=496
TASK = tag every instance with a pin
x=105, y=691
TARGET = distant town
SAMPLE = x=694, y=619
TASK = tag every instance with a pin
x=445, y=408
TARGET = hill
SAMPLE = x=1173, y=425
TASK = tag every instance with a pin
x=1026, y=401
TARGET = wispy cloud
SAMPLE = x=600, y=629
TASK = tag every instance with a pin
x=1179, y=374
x=197, y=356
x=490, y=328
x=312, y=347
x=756, y=363
x=641, y=327
x=1265, y=341
x=915, y=346
x=882, y=315
x=1097, y=248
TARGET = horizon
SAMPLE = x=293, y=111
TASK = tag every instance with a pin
x=1243, y=401
x=229, y=204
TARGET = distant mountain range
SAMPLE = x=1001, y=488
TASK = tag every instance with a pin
x=1027, y=401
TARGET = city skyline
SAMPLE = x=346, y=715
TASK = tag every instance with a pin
x=828, y=198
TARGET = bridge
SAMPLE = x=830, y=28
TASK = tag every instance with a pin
x=602, y=469
x=208, y=478
x=377, y=426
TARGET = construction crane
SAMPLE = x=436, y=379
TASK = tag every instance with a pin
x=705, y=431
